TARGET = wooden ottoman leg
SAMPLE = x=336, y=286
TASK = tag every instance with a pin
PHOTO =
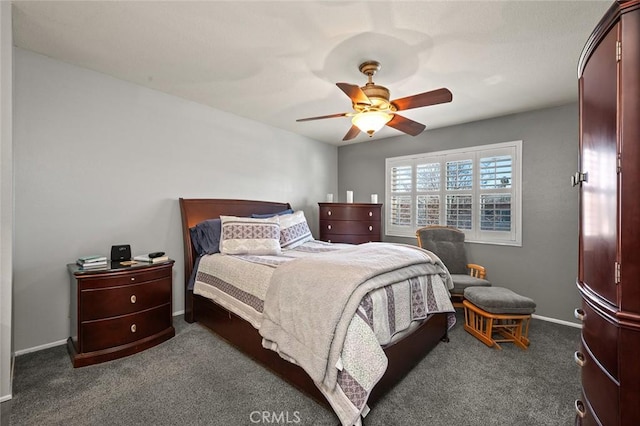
x=478, y=324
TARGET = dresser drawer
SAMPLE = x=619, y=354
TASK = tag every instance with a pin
x=600, y=391
x=349, y=239
x=601, y=338
x=354, y=212
x=113, y=301
x=112, y=332
x=127, y=277
x=350, y=227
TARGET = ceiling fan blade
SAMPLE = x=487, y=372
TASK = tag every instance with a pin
x=355, y=93
x=342, y=114
x=406, y=125
x=434, y=97
x=352, y=133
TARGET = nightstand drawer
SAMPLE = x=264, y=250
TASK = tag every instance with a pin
x=127, y=277
x=350, y=227
x=113, y=301
x=112, y=332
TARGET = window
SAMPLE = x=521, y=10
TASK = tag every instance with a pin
x=474, y=189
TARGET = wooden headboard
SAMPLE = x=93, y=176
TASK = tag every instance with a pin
x=195, y=210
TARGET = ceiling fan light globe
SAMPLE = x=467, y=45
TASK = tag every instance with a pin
x=371, y=121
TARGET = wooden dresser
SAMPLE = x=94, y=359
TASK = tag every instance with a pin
x=352, y=223
x=119, y=311
x=609, y=240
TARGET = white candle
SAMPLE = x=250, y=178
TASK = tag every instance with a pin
x=349, y=196
x=329, y=198
x=374, y=198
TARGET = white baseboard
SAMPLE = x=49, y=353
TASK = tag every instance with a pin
x=61, y=342
x=5, y=398
x=41, y=347
x=557, y=321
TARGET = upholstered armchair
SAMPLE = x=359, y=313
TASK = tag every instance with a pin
x=447, y=243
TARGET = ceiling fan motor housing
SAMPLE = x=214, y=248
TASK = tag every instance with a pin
x=378, y=95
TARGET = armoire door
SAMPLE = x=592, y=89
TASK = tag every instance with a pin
x=599, y=160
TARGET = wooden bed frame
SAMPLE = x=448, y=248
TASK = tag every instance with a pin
x=402, y=355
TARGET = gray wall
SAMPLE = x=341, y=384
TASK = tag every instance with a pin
x=99, y=161
x=545, y=267
x=6, y=198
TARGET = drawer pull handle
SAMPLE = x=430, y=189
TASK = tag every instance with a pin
x=370, y=228
x=329, y=213
x=578, y=357
x=133, y=328
x=580, y=410
x=370, y=214
x=579, y=314
x=328, y=226
x=133, y=278
x=133, y=298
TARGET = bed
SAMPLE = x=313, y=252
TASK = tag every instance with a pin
x=401, y=355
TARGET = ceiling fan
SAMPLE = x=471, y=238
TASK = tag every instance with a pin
x=372, y=109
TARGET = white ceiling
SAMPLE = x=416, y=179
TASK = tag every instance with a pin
x=276, y=61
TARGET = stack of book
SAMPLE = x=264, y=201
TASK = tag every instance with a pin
x=91, y=262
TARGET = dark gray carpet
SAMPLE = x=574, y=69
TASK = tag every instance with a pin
x=197, y=379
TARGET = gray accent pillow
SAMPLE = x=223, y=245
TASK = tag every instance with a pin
x=205, y=236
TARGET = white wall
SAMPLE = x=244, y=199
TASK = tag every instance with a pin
x=99, y=162
x=6, y=198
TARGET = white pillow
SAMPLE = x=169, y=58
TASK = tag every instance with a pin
x=294, y=230
x=245, y=235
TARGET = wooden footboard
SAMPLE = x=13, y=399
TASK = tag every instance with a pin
x=403, y=355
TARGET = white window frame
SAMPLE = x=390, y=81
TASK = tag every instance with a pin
x=475, y=234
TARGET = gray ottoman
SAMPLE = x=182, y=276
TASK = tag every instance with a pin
x=490, y=311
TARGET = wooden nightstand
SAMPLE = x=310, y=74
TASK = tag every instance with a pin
x=119, y=311
x=353, y=223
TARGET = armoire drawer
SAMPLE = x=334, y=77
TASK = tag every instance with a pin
x=113, y=301
x=601, y=337
x=584, y=413
x=600, y=391
x=112, y=332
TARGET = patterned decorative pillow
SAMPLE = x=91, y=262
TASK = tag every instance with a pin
x=294, y=230
x=245, y=235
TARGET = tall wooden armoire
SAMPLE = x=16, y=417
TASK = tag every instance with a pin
x=609, y=242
